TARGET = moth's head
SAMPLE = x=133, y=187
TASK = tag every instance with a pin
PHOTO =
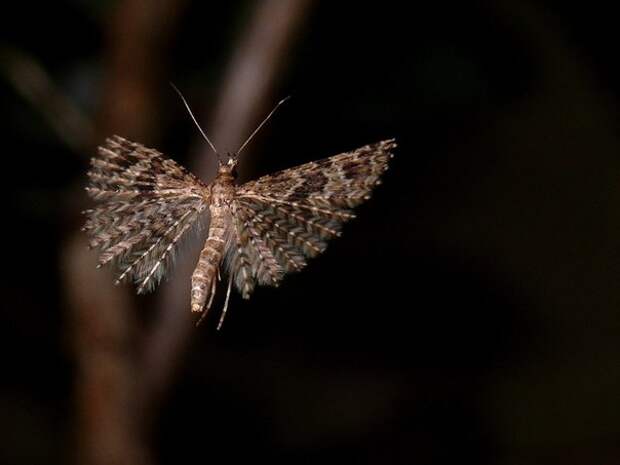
x=227, y=165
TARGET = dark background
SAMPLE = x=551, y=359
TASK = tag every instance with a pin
x=470, y=314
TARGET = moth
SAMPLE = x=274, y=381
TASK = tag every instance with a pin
x=257, y=232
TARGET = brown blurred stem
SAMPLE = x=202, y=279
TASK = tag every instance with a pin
x=246, y=94
x=103, y=320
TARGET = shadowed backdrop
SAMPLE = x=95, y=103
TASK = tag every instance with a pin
x=471, y=311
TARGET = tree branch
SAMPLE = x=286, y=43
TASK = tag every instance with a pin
x=104, y=325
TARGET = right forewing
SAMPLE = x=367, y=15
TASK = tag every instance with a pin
x=282, y=219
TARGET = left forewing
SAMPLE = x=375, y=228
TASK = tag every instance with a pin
x=147, y=203
x=284, y=218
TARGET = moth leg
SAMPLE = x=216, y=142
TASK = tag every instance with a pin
x=208, y=306
x=219, y=325
x=213, y=286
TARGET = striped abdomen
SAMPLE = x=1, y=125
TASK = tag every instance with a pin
x=204, y=279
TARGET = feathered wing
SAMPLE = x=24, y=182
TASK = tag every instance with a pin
x=148, y=203
x=282, y=219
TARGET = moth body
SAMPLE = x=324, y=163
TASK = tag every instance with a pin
x=206, y=273
x=258, y=232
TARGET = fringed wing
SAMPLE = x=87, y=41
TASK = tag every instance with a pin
x=285, y=218
x=148, y=203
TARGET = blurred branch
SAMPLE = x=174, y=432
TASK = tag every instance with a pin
x=101, y=331
x=103, y=318
x=137, y=37
x=33, y=83
x=248, y=83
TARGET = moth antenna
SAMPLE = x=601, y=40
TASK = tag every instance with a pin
x=219, y=325
x=261, y=125
x=189, y=110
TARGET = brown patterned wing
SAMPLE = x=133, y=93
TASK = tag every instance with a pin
x=148, y=203
x=284, y=218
